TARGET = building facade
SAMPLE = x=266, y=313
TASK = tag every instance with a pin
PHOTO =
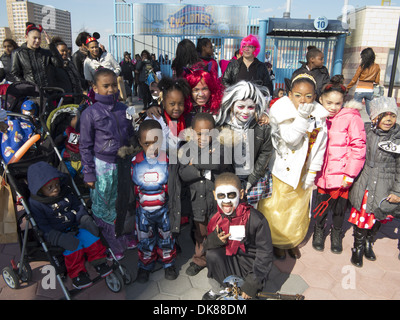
x=55, y=21
x=375, y=27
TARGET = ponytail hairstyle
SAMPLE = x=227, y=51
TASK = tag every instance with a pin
x=312, y=52
x=335, y=84
x=168, y=84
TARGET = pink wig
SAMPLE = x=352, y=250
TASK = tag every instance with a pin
x=250, y=40
x=216, y=88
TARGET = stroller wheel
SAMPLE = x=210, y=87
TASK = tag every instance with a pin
x=11, y=278
x=114, y=282
x=26, y=272
x=125, y=274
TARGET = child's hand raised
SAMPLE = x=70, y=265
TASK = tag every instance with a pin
x=48, y=40
x=221, y=235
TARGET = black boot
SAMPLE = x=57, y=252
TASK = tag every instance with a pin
x=358, y=250
x=318, y=241
x=336, y=240
x=369, y=242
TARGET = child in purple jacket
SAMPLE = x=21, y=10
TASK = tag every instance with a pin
x=104, y=129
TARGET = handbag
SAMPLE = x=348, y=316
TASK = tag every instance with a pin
x=8, y=219
x=262, y=189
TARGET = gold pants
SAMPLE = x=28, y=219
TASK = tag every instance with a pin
x=287, y=213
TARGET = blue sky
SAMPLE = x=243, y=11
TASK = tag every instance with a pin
x=97, y=15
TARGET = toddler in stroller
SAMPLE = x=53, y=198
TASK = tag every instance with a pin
x=65, y=222
x=18, y=131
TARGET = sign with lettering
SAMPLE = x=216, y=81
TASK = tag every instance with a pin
x=321, y=23
x=191, y=20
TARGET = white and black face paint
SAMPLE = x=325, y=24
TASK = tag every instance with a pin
x=228, y=198
x=244, y=110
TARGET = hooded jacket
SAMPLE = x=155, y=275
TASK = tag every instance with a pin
x=381, y=172
x=345, y=151
x=104, y=129
x=52, y=213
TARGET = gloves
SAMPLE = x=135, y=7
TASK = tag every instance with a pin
x=88, y=224
x=305, y=110
x=67, y=241
x=248, y=187
x=308, y=179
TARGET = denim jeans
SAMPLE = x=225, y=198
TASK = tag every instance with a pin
x=367, y=96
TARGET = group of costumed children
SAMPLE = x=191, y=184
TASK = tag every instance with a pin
x=208, y=165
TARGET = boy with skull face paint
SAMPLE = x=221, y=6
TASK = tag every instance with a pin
x=238, y=242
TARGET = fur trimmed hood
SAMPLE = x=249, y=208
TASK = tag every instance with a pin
x=353, y=104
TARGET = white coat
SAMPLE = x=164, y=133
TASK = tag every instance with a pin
x=290, y=140
x=106, y=60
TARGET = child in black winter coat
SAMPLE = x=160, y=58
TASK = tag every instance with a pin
x=201, y=160
x=65, y=223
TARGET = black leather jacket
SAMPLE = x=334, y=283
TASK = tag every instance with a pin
x=35, y=65
x=230, y=76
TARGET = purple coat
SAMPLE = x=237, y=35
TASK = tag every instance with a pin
x=104, y=129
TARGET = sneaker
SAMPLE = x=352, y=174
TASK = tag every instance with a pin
x=118, y=256
x=170, y=273
x=82, y=281
x=210, y=295
x=103, y=269
x=142, y=275
x=193, y=269
x=132, y=244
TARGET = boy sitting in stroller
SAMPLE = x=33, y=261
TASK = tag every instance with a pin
x=65, y=223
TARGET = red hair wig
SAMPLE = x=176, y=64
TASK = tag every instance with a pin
x=250, y=40
x=193, y=77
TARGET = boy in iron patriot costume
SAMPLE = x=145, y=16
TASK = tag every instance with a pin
x=149, y=173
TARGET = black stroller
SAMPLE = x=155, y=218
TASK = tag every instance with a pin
x=32, y=245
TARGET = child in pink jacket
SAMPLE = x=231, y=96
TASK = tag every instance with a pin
x=344, y=159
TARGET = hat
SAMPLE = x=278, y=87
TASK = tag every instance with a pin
x=28, y=105
x=31, y=26
x=90, y=39
x=381, y=105
x=3, y=115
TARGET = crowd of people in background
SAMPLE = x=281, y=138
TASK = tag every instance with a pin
x=219, y=147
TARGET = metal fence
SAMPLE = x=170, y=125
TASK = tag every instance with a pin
x=285, y=52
